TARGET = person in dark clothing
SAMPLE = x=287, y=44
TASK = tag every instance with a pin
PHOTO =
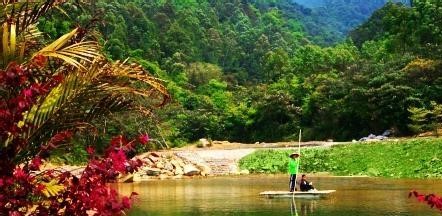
x=305, y=185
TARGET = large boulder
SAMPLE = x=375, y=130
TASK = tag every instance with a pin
x=190, y=170
x=203, y=143
x=179, y=171
x=204, y=169
x=152, y=171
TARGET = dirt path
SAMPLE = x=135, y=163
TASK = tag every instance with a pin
x=222, y=162
x=222, y=157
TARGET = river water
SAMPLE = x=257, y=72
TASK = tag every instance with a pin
x=239, y=196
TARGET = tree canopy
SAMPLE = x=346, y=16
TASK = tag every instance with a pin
x=260, y=70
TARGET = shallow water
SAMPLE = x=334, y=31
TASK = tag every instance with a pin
x=239, y=196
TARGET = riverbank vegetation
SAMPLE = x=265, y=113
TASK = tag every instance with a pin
x=408, y=158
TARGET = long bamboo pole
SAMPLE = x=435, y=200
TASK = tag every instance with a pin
x=299, y=159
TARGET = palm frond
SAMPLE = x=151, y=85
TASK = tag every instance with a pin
x=89, y=94
x=5, y=42
x=9, y=42
x=26, y=39
x=74, y=54
x=52, y=188
x=31, y=33
x=134, y=72
x=26, y=13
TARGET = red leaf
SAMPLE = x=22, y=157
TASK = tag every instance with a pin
x=421, y=198
x=126, y=202
x=35, y=163
x=90, y=150
x=39, y=60
x=118, y=160
x=143, y=139
x=19, y=174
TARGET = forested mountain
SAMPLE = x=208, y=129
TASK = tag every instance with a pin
x=250, y=71
x=329, y=21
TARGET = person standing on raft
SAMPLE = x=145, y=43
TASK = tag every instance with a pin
x=293, y=170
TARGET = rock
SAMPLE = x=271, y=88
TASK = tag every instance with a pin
x=373, y=138
x=244, y=172
x=143, y=156
x=175, y=164
x=137, y=177
x=178, y=162
x=155, y=154
x=203, y=143
x=204, y=169
x=148, y=162
x=179, y=171
x=381, y=137
x=168, y=166
x=152, y=171
x=386, y=133
x=190, y=170
x=159, y=165
x=145, y=168
x=153, y=158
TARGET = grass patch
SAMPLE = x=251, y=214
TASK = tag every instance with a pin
x=410, y=158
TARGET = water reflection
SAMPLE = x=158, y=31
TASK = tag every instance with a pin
x=239, y=196
x=293, y=209
x=307, y=207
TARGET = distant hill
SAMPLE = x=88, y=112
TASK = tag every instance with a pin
x=320, y=3
x=331, y=20
x=310, y=3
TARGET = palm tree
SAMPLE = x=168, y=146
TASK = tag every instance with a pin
x=81, y=84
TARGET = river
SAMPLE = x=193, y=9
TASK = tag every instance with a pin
x=238, y=195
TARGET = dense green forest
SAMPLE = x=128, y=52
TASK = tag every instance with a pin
x=255, y=70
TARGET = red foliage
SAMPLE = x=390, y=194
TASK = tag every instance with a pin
x=432, y=200
x=143, y=139
x=39, y=61
x=23, y=186
x=90, y=150
x=87, y=194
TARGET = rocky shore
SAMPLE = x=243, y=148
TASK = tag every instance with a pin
x=188, y=164
x=167, y=165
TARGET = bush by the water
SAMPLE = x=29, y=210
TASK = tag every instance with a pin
x=414, y=158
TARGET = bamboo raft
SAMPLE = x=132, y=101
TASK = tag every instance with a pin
x=296, y=194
